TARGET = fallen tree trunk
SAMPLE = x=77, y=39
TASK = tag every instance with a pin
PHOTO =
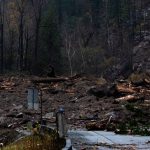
x=123, y=89
x=130, y=98
x=49, y=80
x=147, y=81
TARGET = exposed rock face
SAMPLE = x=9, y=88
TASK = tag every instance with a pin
x=141, y=55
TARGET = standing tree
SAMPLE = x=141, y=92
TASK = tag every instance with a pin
x=2, y=34
x=37, y=9
x=21, y=4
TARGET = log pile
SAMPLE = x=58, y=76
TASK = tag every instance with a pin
x=7, y=85
x=130, y=98
x=132, y=92
x=109, y=106
x=123, y=91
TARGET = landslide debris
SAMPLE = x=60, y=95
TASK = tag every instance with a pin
x=89, y=102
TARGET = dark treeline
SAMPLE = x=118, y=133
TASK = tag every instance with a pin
x=73, y=36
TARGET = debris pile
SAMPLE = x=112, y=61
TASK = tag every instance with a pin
x=89, y=102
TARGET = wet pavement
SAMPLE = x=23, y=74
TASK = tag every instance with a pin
x=101, y=140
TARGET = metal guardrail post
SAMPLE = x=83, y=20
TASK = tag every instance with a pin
x=32, y=98
x=61, y=123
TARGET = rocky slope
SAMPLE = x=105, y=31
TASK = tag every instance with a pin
x=141, y=54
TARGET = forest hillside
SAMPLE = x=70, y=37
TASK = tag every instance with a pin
x=93, y=37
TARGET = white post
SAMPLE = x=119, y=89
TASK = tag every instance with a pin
x=32, y=99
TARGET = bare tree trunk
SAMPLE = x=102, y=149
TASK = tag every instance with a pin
x=107, y=26
x=2, y=34
x=83, y=66
x=11, y=34
x=21, y=9
x=119, y=23
x=68, y=47
x=26, y=49
x=70, y=51
x=37, y=8
x=2, y=48
x=130, y=37
x=21, y=42
x=36, y=41
x=59, y=12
